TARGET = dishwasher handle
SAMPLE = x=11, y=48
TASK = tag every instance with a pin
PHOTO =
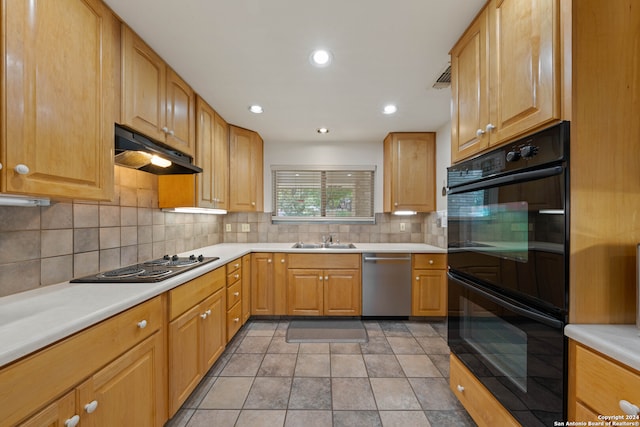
x=381, y=258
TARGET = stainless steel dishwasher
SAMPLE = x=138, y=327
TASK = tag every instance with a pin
x=386, y=284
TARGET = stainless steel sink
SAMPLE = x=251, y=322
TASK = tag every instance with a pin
x=301, y=245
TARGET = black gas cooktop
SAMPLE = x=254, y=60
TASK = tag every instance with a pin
x=149, y=271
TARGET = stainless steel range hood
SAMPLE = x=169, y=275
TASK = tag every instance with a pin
x=136, y=151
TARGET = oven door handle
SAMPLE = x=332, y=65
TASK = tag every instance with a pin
x=508, y=179
x=523, y=311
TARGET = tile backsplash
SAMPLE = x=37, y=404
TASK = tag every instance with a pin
x=53, y=244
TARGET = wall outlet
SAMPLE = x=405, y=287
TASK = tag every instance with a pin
x=403, y=226
x=246, y=228
x=227, y=227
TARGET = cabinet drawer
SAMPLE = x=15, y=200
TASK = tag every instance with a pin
x=477, y=400
x=191, y=293
x=601, y=382
x=322, y=261
x=234, y=277
x=234, y=265
x=234, y=320
x=37, y=379
x=430, y=261
x=234, y=294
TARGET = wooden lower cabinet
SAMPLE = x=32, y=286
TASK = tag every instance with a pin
x=429, y=287
x=197, y=335
x=268, y=283
x=234, y=297
x=119, y=363
x=246, y=288
x=597, y=385
x=334, y=288
x=477, y=400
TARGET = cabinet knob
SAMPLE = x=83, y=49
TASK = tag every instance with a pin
x=142, y=324
x=236, y=320
x=489, y=127
x=0, y=166
x=282, y=260
x=73, y=421
x=253, y=203
x=460, y=388
x=165, y=129
x=171, y=133
x=236, y=294
x=629, y=408
x=269, y=260
x=480, y=132
x=417, y=278
x=395, y=204
x=203, y=315
x=431, y=261
x=21, y=169
x=320, y=278
x=236, y=276
x=326, y=277
x=91, y=406
x=236, y=265
x=208, y=312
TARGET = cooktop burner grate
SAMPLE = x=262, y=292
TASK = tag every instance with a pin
x=129, y=271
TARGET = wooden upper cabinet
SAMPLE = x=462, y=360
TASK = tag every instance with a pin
x=505, y=75
x=524, y=66
x=245, y=170
x=470, y=90
x=409, y=172
x=155, y=100
x=210, y=188
x=58, y=98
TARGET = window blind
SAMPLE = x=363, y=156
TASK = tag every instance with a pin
x=336, y=195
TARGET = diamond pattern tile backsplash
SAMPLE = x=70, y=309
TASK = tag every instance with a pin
x=53, y=244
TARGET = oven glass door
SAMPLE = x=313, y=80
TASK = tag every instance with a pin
x=515, y=352
x=511, y=236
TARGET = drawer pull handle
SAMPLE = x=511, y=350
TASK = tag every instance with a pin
x=236, y=319
x=629, y=408
x=142, y=324
x=73, y=421
x=236, y=294
x=460, y=388
x=91, y=406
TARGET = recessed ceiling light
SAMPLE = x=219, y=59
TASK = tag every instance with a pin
x=389, y=109
x=320, y=58
x=322, y=130
x=256, y=109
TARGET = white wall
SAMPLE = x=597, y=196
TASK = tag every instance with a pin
x=323, y=153
x=362, y=153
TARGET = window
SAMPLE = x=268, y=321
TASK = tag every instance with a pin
x=317, y=194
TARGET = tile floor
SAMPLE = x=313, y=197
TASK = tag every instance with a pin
x=398, y=378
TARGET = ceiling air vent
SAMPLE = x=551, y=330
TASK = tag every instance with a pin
x=444, y=80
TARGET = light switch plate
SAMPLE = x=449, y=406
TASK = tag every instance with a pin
x=246, y=228
x=227, y=227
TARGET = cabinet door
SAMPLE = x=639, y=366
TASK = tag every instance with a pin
x=214, y=329
x=56, y=414
x=470, y=91
x=180, y=114
x=185, y=366
x=245, y=170
x=246, y=288
x=205, y=154
x=58, y=98
x=342, y=293
x=429, y=293
x=129, y=390
x=221, y=163
x=413, y=172
x=262, y=284
x=305, y=292
x=144, y=85
x=524, y=71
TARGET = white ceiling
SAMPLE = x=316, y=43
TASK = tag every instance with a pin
x=235, y=53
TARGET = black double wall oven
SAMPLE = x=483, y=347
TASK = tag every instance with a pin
x=508, y=225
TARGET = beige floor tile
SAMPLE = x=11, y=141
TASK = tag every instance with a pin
x=280, y=345
x=278, y=365
x=348, y=365
x=254, y=344
x=404, y=419
x=421, y=329
x=405, y=345
x=394, y=394
x=434, y=345
x=314, y=347
x=418, y=365
x=313, y=365
x=218, y=418
x=269, y=393
x=345, y=348
x=261, y=418
x=352, y=394
x=383, y=366
x=227, y=393
x=308, y=419
x=356, y=419
x=242, y=365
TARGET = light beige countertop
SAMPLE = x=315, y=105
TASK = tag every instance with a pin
x=620, y=342
x=34, y=319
